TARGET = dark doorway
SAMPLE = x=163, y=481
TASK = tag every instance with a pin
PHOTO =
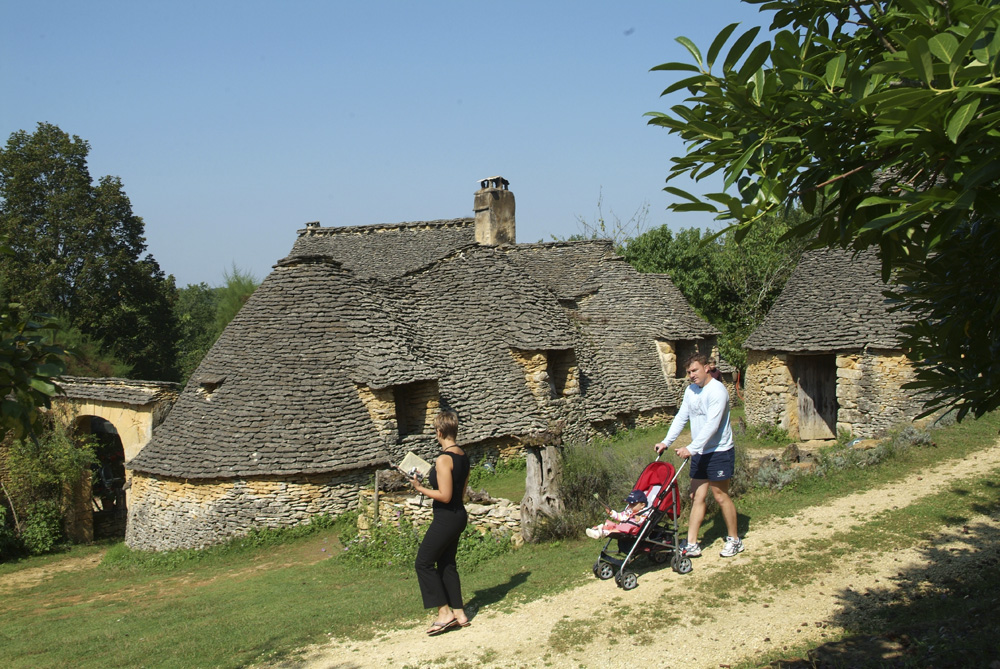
x=816, y=377
x=108, y=481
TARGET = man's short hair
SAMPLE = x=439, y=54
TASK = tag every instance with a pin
x=701, y=358
x=446, y=423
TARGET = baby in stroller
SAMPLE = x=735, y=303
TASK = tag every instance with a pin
x=647, y=527
x=628, y=521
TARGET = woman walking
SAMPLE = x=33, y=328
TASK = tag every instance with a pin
x=437, y=572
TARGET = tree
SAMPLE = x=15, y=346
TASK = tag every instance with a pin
x=730, y=283
x=879, y=120
x=203, y=313
x=78, y=251
x=28, y=367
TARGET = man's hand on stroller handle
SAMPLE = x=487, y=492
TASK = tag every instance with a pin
x=682, y=452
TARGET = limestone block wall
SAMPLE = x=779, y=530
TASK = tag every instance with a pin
x=502, y=515
x=770, y=392
x=668, y=359
x=167, y=513
x=869, y=391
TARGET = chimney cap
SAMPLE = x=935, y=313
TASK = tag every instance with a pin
x=494, y=182
x=312, y=224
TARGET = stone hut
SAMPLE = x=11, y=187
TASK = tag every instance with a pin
x=337, y=364
x=827, y=356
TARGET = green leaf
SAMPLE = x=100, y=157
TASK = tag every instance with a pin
x=719, y=42
x=682, y=67
x=693, y=49
x=42, y=386
x=754, y=61
x=739, y=48
x=919, y=55
x=50, y=369
x=681, y=193
x=944, y=46
x=834, y=69
x=960, y=118
x=690, y=206
x=690, y=82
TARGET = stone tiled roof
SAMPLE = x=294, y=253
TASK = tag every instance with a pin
x=384, y=251
x=278, y=393
x=619, y=314
x=120, y=391
x=832, y=301
x=274, y=395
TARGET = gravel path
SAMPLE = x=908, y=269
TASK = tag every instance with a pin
x=575, y=628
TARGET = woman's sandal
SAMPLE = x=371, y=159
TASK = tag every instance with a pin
x=438, y=628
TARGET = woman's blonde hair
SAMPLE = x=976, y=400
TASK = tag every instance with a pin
x=446, y=423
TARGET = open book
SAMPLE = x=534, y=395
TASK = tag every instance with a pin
x=414, y=465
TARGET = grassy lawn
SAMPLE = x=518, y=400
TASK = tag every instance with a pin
x=245, y=605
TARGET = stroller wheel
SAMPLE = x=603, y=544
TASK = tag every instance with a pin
x=659, y=557
x=603, y=570
x=682, y=565
x=627, y=580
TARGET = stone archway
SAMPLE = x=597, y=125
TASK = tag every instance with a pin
x=127, y=409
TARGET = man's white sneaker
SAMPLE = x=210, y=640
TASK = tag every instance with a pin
x=593, y=533
x=732, y=547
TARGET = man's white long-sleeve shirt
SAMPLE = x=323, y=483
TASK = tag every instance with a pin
x=708, y=410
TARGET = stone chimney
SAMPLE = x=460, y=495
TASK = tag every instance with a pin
x=494, y=207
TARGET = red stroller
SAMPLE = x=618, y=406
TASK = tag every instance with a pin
x=657, y=536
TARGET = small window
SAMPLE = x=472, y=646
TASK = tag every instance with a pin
x=562, y=371
x=208, y=385
x=415, y=407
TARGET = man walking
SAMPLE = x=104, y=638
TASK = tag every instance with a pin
x=706, y=405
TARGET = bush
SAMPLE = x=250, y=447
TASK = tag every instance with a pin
x=43, y=527
x=387, y=545
x=384, y=545
x=774, y=476
x=44, y=473
x=10, y=543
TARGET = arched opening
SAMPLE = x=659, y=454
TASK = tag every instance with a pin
x=107, y=478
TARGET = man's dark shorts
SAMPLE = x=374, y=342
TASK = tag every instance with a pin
x=714, y=466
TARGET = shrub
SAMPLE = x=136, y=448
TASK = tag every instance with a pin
x=43, y=527
x=47, y=467
x=10, y=543
x=476, y=548
x=384, y=545
x=774, y=476
x=388, y=544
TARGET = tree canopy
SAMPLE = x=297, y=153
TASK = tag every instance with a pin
x=78, y=251
x=730, y=283
x=879, y=120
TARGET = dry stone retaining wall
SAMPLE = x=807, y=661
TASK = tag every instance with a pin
x=173, y=513
x=501, y=515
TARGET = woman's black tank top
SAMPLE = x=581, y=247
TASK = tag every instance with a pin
x=459, y=474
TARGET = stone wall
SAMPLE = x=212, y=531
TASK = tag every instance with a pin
x=169, y=513
x=502, y=515
x=869, y=392
x=870, y=399
x=769, y=391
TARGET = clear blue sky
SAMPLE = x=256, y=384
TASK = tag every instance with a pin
x=233, y=123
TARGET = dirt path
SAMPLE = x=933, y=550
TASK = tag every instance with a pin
x=572, y=629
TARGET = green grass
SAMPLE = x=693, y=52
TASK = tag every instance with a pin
x=243, y=604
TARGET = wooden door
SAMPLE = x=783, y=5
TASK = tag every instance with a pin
x=816, y=376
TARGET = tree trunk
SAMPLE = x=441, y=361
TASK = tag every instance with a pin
x=541, y=496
